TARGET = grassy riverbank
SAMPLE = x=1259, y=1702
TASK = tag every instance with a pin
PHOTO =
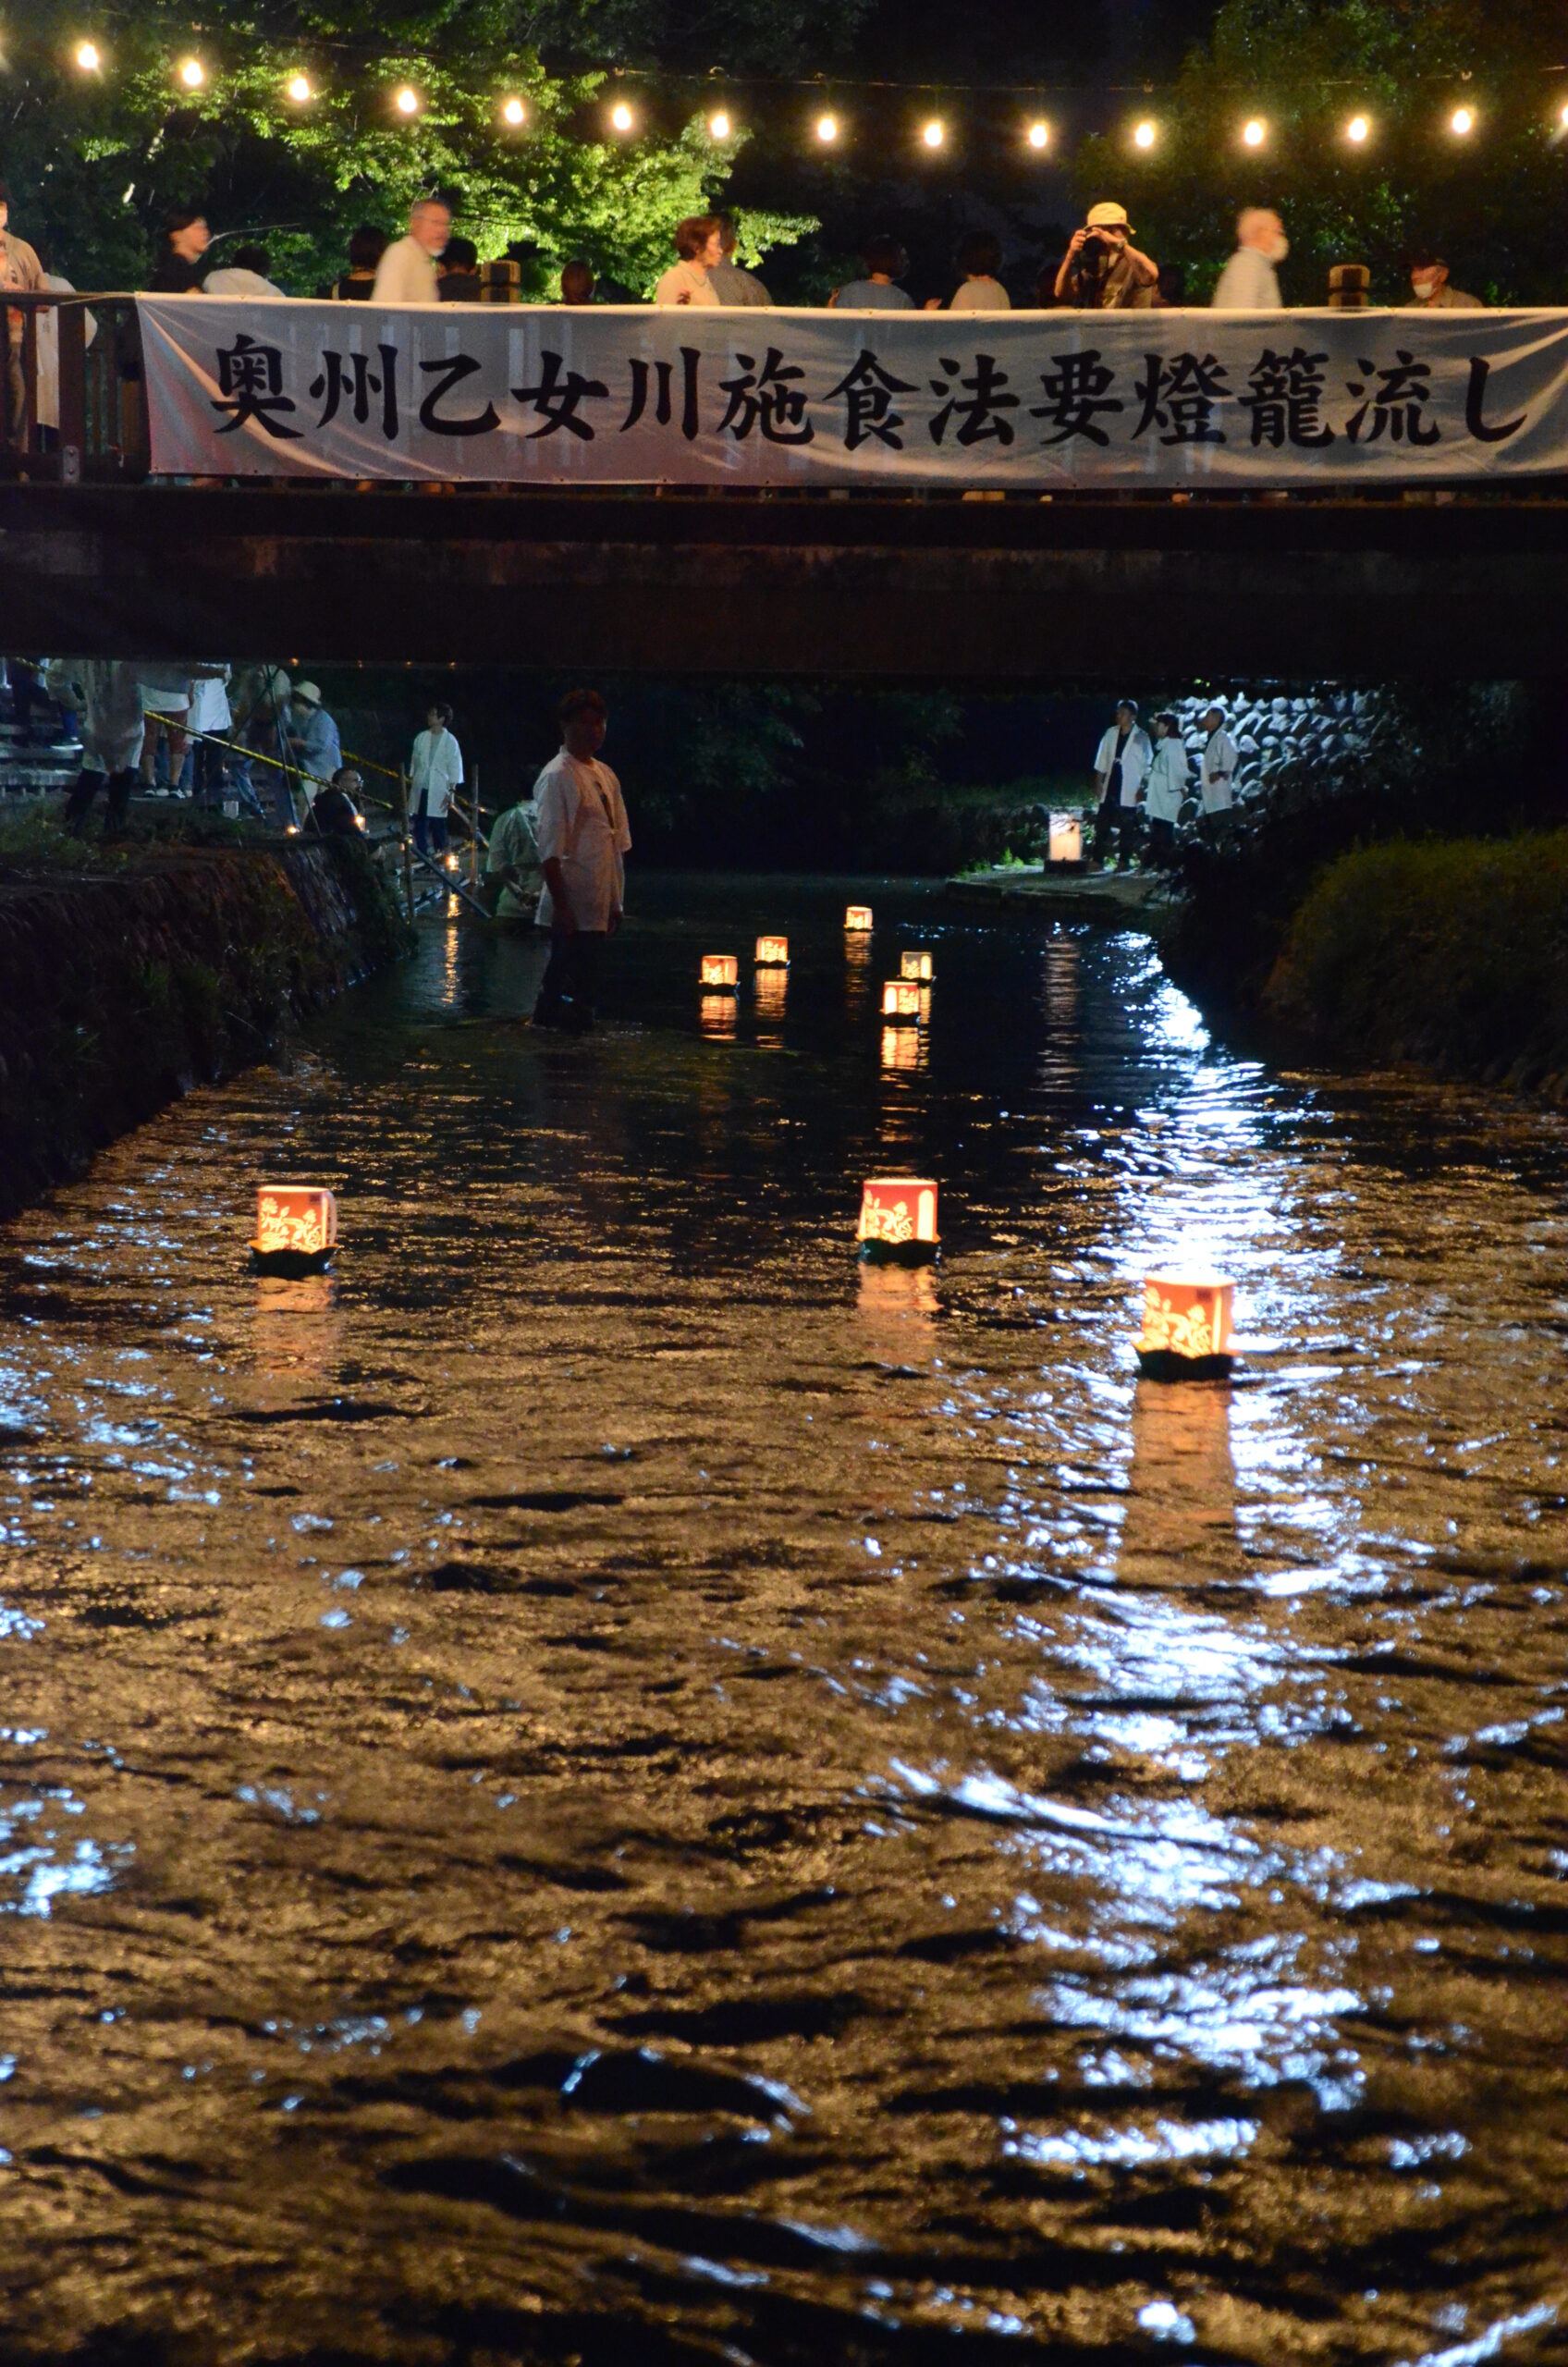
x=1453, y=952
x=130, y=974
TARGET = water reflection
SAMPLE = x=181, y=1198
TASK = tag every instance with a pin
x=727, y=1802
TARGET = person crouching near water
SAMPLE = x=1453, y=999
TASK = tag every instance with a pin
x=583, y=841
x=512, y=877
x=1165, y=788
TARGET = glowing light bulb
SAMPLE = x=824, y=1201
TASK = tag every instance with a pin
x=933, y=134
x=407, y=101
x=513, y=112
x=1039, y=135
x=1563, y=118
x=192, y=73
x=1357, y=128
x=1255, y=133
x=299, y=91
x=719, y=125
x=827, y=128
x=1461, y=122
x=1144, y=134
x=620, y=116
x=86, y=57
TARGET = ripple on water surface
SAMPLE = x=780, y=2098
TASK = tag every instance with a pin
x=609, y=1784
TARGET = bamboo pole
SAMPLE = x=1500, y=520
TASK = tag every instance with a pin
x=403, y=826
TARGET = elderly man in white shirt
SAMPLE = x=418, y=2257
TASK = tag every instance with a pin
x=407, y=273
x=1248, y=283
x=1122, y=761
x=1217, y=773
x=583, y=841
x=436, y=769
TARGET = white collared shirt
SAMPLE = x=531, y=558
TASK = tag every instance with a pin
x=582, y=822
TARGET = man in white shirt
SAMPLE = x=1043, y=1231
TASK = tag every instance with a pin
x=1218, y=773
x=407, y=273
x=436, y=769
x=583, y=840
x=246, y=276
x=1121, y=762
x=1248, y=283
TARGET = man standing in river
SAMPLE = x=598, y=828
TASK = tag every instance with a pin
x=583, y=841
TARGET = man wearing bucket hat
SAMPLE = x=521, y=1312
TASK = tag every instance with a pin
x=1102, y=270
x=314, y=743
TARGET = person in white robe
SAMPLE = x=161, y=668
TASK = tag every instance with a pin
x=436, y=769
x=1122, y=760
x=583, y=841
x=1165, y=788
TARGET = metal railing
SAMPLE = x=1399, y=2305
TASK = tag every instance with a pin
x=81, y=419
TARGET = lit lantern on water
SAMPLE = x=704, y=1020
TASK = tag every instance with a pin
x=296, y=1229
x=1066, y=839
x=916, y=965
x=900, y=1003
x=716, y=1014
x=772, y=953
x=898, y=1220
x=857, y=920
x=721, y=972
x=1186, y=1334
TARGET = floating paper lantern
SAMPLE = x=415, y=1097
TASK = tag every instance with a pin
x=721, y=971
x=1186, y=1334
x=1066, y=839
x=901, y=1001
x=857, y=920
x=916, y=965
x=772, y=953
x=898, y=1220
x=296, y=1229
x=716, y=1014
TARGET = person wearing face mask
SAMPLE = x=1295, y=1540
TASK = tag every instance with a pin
x=1248, y=283
x=1429, y=281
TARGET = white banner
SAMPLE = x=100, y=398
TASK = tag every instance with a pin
x=630, y=395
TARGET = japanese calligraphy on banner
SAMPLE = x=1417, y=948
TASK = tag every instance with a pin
x=546, y=395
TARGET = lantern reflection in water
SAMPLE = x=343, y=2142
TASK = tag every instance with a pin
x=901, y=1001
x=772, y=953
x=721, y=971
x=296, y=1229
x=770, y=991
x=857, y=920
x=299, y=1336
x=916, y=965
x=1066, y=839
x=903, y=1048
x=898, y=1220
x=716, y=1014
x=1186, y=1334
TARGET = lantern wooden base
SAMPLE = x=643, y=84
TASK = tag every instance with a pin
x=1066, y=862
x=900, y=1253
x=292, y=1265
x=1166, y=1363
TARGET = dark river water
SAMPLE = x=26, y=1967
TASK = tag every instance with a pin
x=609, y=1784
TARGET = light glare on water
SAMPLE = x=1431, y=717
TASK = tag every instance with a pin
x=608, y=1783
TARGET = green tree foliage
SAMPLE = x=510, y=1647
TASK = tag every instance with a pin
x=96, y=159
x=1494, y=203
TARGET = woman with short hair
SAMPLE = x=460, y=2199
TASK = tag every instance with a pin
x=699, y=241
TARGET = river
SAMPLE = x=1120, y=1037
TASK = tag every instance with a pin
x=610, y=1784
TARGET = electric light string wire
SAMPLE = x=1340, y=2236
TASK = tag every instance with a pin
x=190, y=73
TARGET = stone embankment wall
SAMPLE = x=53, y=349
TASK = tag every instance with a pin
x=1292, y=749
x=119, y=991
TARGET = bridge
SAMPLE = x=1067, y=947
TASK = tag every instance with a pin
x=893, y=548
x=1010, y=593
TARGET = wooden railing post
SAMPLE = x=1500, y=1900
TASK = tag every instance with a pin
x=403, y=826
x=473, y=835
x=72, y=334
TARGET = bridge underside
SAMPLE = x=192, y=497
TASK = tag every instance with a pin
x=1009, y=594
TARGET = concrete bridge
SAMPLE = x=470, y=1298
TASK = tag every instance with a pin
x=1012, y=591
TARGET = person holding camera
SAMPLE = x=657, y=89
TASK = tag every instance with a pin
x=1102, y=270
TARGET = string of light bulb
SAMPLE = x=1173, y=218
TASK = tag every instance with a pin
x=622, y=120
